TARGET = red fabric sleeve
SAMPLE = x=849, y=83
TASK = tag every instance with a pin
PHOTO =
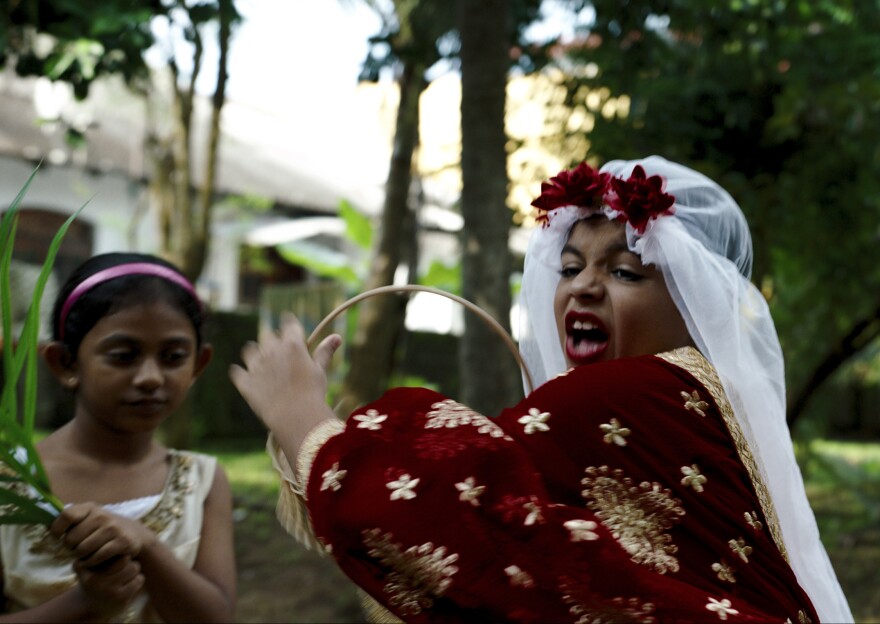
x=571, y=506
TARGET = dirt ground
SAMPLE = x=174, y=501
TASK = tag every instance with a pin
x=280, y=581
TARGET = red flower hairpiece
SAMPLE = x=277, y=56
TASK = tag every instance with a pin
x=640, y=199
x=637, y=200
x=582, y=186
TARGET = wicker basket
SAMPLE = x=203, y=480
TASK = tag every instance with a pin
x=482, y=314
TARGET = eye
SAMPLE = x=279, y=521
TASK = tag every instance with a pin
x=569, y=272
x=175, y=356
x=626, y=275
x=122, y=356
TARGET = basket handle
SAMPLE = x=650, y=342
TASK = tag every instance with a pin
x=484, y=316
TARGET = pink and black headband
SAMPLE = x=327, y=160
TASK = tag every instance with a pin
x=121, y=270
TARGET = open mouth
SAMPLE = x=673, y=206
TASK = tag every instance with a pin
x=585, y=337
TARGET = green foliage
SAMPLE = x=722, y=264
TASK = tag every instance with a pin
x=86, y=39
x=330, y=264
x=358, y=228
x=424, y=32
x=19, y=460
x=319, y=260
x=443, y=276
x=780, y=103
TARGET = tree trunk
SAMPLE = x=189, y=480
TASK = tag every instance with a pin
x=197, y=251
x=185, y=217
x=489, y=377
x=861, y=334
x=380, y=319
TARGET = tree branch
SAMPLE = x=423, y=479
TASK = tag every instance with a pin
x=863, y=332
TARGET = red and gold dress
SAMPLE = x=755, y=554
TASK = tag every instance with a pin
x=616, y=492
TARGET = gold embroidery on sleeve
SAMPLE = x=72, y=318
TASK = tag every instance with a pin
x=403, y=487
x=372, y=420
x=752, y=518
x=581, y=530
x=693, y=362
x=418, y=574
x=591, y=608
x=638, y=516
x=693, y=477
x=470, y=491
x=535, y=420
x=614, y=433
x=518, y=577
x=740, y=548
x=332, y=479
x=725, y=571
x=722, y=607
x=693, y=402
x=451, y=414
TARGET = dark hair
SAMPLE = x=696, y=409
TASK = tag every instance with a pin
x=118, y=293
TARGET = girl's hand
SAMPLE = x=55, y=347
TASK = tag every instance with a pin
x=96, y=535
x=111, y=585
x=284, y=384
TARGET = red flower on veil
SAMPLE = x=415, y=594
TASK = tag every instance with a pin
x=640, y=198
x=582, y=186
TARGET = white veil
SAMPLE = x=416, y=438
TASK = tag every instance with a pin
x=705, y=253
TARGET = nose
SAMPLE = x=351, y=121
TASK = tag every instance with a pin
x=149, y=375
x=587, y=285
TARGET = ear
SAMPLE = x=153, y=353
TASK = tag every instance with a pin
x=206, y=353
x=61, y=364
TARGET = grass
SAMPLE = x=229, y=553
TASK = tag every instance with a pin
x=843, y=484
x=279, y=581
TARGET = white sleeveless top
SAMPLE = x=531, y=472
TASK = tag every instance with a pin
x=37, y=567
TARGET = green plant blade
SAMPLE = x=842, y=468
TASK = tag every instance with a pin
x=18, y=509
x=16, y=435
x=31, y=329
x=8, y=399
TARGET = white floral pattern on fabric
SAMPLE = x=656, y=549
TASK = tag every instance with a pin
x=535, y=420
x=372, y=420
x=582, y=530
x=752, y=518
x=470, y=491
x=419, y=574
x=693, y=477
x=740, y=548
x=332, y=478
x=614, y=433
x=402, y=487
x=534, y=514
x=724, y=571
x=693, y=402
x=722, y=608
x=449, y=414
x=518, y=577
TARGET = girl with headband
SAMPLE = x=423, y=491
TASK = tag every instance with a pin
x=649, y=477
x=146, y=533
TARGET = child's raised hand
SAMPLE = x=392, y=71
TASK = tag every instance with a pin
x=96, y=535
x=110, y=585
x=284, y=384
x=280, y=376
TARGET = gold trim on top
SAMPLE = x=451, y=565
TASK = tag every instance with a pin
x=693, y=362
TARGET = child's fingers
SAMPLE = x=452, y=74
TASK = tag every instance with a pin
x=69, y=516
x=291, y=330
x=249, y=353
x=323, y=353
x=92, y=556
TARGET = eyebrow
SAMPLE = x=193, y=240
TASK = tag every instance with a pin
x=611, y=249
x=121, y=338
